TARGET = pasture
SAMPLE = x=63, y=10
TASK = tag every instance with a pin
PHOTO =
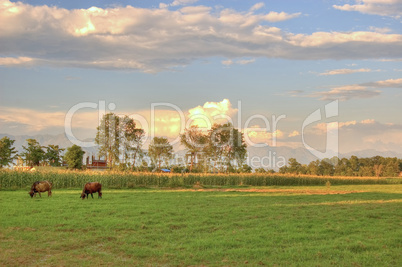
x=352, y=225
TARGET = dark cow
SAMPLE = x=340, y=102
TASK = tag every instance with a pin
x=41, y=186
x=91, y=188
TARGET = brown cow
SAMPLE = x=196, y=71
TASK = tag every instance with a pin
x=91, y=188
x=41, y=186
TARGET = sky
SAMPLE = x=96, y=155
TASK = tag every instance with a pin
x=264, y=65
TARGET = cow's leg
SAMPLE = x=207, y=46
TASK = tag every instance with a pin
x=92, y=195
x=40, y=194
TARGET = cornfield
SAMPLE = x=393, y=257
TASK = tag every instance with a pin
x=13, y=180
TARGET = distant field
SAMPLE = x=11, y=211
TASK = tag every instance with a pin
x=352, y=225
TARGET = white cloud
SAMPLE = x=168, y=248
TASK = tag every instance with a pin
x=227, y=62
x=211, y=112
x=183, y=2
x=239, y=62
x=343, y=71
x=391, y=8
x=159, y=39
x=257, y=6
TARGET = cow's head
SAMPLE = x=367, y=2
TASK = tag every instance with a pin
x=31, y=193
x=83, y=196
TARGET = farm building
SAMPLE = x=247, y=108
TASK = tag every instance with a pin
x=93, y=163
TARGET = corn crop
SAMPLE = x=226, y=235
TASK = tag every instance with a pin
x=13, y=180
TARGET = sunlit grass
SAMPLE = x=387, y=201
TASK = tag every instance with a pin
x=213, y=228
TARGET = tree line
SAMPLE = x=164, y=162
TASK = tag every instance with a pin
x=33, y=154
x=373, y=167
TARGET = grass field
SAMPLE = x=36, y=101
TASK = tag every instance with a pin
x=351, y=225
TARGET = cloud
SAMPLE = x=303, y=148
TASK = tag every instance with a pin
x=246, y=61
x=229, y=62
x=391, y=83
x=359, y=135
x=159, y=39
x=323, y=127
x=347, y=92
x=183, y=2
x=16, y=61
x=257, y=6
x=17, y=120
x=381, y=30
x=210, y=113
x=367, y=121
x=389, y=8
x=166, y=121
x=293, y=134
x=343, y=71
x=256, y=135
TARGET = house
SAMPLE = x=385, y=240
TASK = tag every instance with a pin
x=93, y=163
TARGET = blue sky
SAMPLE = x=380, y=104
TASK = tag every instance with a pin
x=275, y=57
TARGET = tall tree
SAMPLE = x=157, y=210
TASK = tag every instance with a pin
x=132, y=138
x=108, y=138
x=74, y=157
x=227, y=145
x=7, y=151
x=160, y=150
x=53, y=155
x=294, y=166
x=195, y=142
x=33, y=154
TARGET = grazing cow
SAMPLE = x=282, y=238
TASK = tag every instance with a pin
x=41, y=186
x=91, y=188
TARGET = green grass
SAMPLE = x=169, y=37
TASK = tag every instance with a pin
x=289, y=226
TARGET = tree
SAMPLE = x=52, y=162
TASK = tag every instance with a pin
x=74, y=157
x=326, y=168
x=195, y=141
x=33, y=154
x=160, y=150
x=378, y=170
x=313, y=167
x=108, y=138
x=53, y=155
x=245, y=169
x=226, y=145
x=7, y=151
x=132, y=138
x=294, y=166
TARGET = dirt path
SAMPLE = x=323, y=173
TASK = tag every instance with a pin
x=256, y=190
